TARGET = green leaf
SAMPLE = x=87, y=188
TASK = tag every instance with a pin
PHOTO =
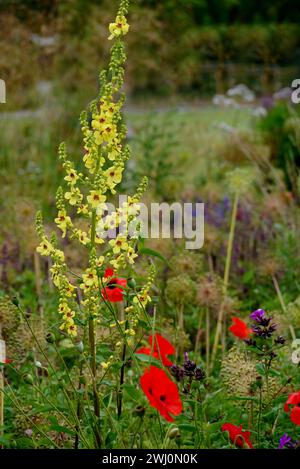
x=153, y=253
x=131, y=391
x=260, y=369
x=61, y=429
x=146, y=358
x=187, y=427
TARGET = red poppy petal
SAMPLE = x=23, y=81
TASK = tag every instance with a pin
x=295, y=415
x=163, y=344
x=108, y=273
x=144, y=350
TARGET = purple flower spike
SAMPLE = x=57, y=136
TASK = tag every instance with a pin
x=257, y=315
x=284, y=440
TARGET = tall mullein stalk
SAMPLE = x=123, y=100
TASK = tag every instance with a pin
x=86, y=299
x=92, y=346
x=226, y=276
x=122, y=369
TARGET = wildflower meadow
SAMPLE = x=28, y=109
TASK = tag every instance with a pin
x=149, y=243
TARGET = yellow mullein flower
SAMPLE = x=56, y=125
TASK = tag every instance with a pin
x=69, y=289
x=132, y=206
x=95, y=198
x=105, y=365
x=101, y=209
x=72, y=176
x=69, y=315
x=58, y=255
x=63, y=308
x=83, y=209
x=114, y=176
x=55, y=274
x=89, y=162
x=100, y=261
x=45, y=248
x=71, y=329
x=82, y=236
x=107, y=134
x=119, y=244
x=114, y=151
x=100, y=121
x=131, y=255
x=119, y=28
x=63, y=222
x=115, y=263
x=90, y=278
x=98, y=239
x=142, y=299
x=74, y=197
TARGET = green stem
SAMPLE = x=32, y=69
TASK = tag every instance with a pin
x=226, y=277
x=92, y=347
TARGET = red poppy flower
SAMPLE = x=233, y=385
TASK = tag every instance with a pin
x=239, y=328
x=237, y=435
x=161, y=392
x=7, y=361
x=112, y=292
x=293, y=400
x=161, y=348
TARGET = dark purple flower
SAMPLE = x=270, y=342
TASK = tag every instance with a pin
x=286, y=442
x=257, y=315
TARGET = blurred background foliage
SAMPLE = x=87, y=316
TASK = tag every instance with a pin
x=203, y=47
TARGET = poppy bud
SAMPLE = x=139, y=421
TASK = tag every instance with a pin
x=173, y=433
x=38, y=364
x=50, y=338
x=131, y=283
x=139, y=411
x=28, y=378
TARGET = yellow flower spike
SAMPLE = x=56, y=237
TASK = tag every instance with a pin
x=119, y=28
x=95, y=198
x=74, y=197
x=45, y=248
x=72, y=176
x=68, y=316
x=63, y=222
